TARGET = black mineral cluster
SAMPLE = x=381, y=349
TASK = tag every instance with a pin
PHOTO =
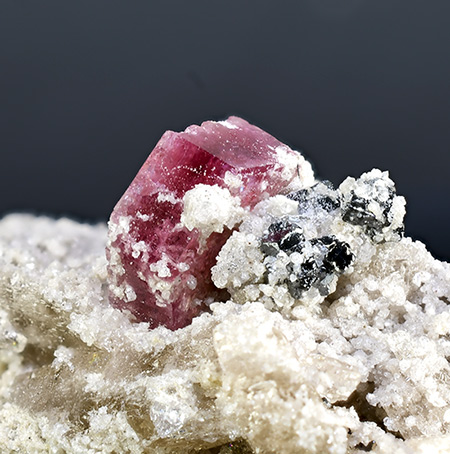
x=320, y=196
x=311, y=263
x=284, y=234
x=369, y=204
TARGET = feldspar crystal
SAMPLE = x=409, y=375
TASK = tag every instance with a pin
x=169, y=226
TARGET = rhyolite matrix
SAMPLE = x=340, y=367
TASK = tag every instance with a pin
x=244, y=307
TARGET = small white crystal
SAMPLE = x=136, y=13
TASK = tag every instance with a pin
x=210, y=209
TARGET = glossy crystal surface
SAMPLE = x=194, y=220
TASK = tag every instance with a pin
x=159, y=268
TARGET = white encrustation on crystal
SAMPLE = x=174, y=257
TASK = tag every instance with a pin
x=351, y=361
x=210, y=209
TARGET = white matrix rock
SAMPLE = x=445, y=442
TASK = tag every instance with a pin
x=335, y=337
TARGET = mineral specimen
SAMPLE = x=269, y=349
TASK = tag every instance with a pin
x=167, y=229
x=302, y=263
x=335, y=338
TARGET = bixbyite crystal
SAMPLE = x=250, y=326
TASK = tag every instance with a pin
x=160, y=255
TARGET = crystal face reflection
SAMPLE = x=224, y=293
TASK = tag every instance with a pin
x=159, y=266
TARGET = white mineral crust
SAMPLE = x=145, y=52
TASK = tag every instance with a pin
x=357, y=362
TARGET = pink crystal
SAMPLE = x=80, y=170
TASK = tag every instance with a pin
x=145, y=227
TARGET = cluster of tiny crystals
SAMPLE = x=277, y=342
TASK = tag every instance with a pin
x=299, y=245
x=296, y=257
x=327, y=331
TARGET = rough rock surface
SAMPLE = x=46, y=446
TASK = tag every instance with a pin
x=335, y=338
x=362, y=368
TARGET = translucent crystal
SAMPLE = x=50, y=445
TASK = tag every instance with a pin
x=167, y=229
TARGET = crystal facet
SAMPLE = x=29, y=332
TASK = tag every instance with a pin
x=160, y=253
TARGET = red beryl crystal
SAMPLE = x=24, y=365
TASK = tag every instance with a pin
x=159, y=270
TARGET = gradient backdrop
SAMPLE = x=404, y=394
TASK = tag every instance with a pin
x=87, y=87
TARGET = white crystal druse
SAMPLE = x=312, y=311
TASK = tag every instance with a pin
x=333, y=336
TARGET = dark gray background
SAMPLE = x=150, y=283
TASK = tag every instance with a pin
x=87, y=87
